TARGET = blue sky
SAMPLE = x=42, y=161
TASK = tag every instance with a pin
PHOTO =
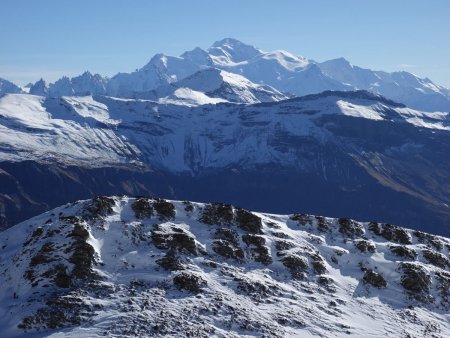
x=49, y=38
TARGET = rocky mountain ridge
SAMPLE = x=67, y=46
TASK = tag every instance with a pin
x=112, y=265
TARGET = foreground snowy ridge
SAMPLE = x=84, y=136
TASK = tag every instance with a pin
x=127, y=267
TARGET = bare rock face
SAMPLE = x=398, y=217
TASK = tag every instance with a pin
x=248, y=221
x=375, y=279
x=113, y=265
x=391, y=232
x=297, y=265
x=142, y=208
x=66, y=267
x=403, y=251
x=258, y=251
x=148, y=207
x=223, y=214
x=365, y=246
x=173, y=237
x=99, y=207
x=171, y=261
x=415, y=278
x=436, y=258
x=189, y=281
x=220, y=214
x=227, y=249
x=350, y=228
x=165, y=209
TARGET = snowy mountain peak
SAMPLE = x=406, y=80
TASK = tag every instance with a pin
x=7, y=87
x=198, y=56
x=39, y=88
x=231, y=51
x=336, y=66
x=112, y=265
x=234, y=44
x=159, y=60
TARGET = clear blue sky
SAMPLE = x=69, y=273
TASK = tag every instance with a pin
x=50, y=38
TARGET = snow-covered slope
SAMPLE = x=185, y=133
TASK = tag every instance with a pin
x=126, y=267
x=211, y=86
x=231, y=87
x=182, y=96
x=75, y=130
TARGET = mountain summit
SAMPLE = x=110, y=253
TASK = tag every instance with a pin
x=231, y=51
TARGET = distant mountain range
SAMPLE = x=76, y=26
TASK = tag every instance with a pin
x=228, y=124
x=286, y=73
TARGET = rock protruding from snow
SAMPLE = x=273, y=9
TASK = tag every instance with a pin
x=111, y=265
x=83, y=85
x=39, y=88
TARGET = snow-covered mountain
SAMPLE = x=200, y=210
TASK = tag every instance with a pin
x=40, y=88
x=333, y=151
x=288, y=73
x=279, y=69
x=163, y=135
x=85, y=84
x=7, y=87
x=160, y=71
x=300, y=76
x=399, y=86
x=213, y=85
x=125, y=267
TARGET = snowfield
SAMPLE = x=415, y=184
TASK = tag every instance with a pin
x=125, y=267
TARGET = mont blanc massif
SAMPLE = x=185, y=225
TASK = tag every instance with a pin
x=226, y=192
